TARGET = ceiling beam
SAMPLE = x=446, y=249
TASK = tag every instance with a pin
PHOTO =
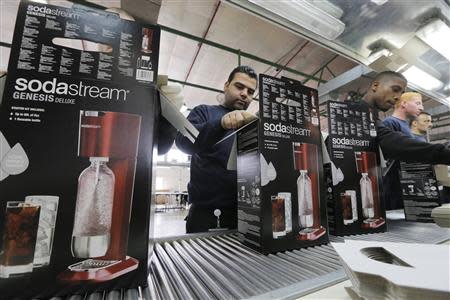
x=295, y=55
x=201, y=44
x=196, y=85
x=283, y=57
x=320, y=69
x=329, y=70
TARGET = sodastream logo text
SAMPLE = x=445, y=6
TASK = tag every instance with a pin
x=47, y=90
x=286, y=129
x=44, y=10
x=350, y=142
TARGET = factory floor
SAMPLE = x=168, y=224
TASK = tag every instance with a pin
x=170, y=223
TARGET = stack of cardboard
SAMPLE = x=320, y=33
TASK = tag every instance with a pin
x=395, y=270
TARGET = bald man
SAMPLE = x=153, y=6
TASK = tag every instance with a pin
x=407, y=108
x=421, y=125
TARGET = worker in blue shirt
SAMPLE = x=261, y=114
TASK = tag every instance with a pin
x=212, y=186
x=408, y=107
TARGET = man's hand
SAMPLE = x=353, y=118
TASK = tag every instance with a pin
x=236, y=119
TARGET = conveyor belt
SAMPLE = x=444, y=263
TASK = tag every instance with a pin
x=220, y=267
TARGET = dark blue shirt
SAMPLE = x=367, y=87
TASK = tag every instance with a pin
x=420, y=137
x=397, y=124
x=211, y=184
x=391, y=181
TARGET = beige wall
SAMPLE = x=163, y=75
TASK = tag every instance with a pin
x=172, y=178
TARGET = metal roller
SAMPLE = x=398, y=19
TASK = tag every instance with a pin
x=182, y=289
x=289, y=265
x=310, y=260
x=227, y=268
x=95, y=296
x=150, y=292
x=320, y=259
x=248, y=270
x=131, y=294
x=306, y=267
x=218, y=270
x=199, y=289
x=114, y=295
x=167, y=289
x=76, y=297
x=257, y=259
x=217, y=290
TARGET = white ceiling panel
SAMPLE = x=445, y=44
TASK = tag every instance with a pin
x=194, y=96
x=340, y=65
x=236, y=29
x=232, y=28
x=212, y=67
x=176, y=55
x=239, y=30
x=4, y=58
x=190, y=16
x=8, y=12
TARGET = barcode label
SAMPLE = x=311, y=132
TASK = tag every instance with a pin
x=144, y=75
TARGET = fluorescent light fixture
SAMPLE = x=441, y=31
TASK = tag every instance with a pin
x=379, y=2
x=422, y=79
x=436, y=34
x=329, y=7
x=306, y=15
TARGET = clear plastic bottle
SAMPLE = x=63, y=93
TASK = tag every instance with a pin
x=366, y=196
x=92, y=225
x=305, y=201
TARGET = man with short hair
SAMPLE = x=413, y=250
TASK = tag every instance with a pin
x=212, y=186
x=408, y=107
x=384, y=91
x=419, y=126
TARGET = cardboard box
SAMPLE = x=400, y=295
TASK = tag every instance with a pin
x=281, y=197
x=420, y=191
x=354, y=201
x=77, y=133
